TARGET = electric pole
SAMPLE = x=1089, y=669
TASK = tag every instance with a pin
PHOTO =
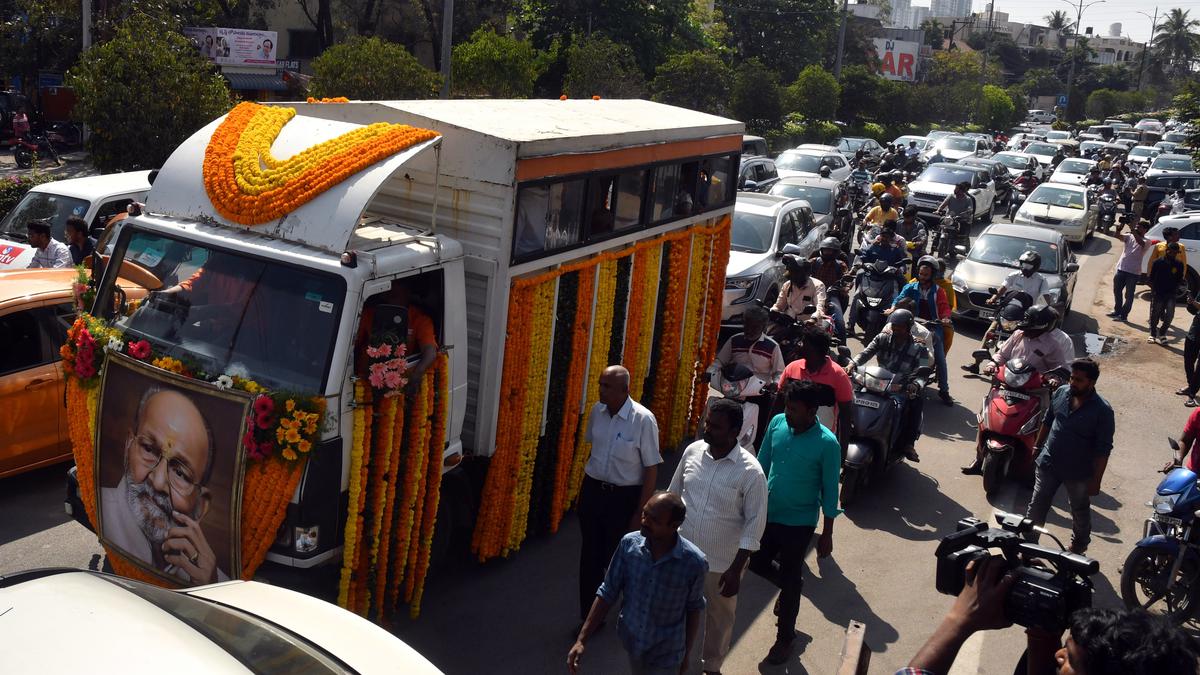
x=1074, y=50
x=837, y=60
x=1146, y=47
x=447, y=41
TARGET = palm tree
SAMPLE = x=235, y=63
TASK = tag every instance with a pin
x=1176, y=42
x=1058, y=21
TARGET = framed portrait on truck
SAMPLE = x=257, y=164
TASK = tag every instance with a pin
x=169, y=466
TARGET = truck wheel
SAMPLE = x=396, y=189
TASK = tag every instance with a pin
x=993, y=473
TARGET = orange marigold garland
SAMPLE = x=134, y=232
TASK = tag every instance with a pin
x=433, y=479
x=542, y=327
x=423, y=403
x=248, y=185
x=602, y=317
x=386, y=535
x=358, y=455
x=575, y=386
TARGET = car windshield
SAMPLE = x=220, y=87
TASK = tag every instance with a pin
x=1175, y=137
x=1088, y=146
x=260, y=646
x=818, y=198
x=42, y=206
x=1041, y=149
x=959, y=143
x=1058, y=135
x=851, y=144
x=903, y=141
x=945, y=174
x=1141, y=152
x=995, y=249
x=751, y=232
x=229, y=313
x=1075, y=166
x=1172, y=164
x=1056, y=196
x=794, y=161
x=1012, y=161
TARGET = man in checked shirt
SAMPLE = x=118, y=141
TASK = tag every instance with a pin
x=725, y=492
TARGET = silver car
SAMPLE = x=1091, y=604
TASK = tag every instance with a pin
x=994, y=256
x=820, y=193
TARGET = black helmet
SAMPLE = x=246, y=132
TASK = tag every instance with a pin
x=901, y=317
x=824, y=172
x=886, y=199
x=1030, y=258
x=1039, y=317
x=830, y=242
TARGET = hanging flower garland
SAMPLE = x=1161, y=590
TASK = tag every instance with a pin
x=601, y=325
x=433, y=475
x=575, y=386
x=358, y=454
x=668, y=353
x=693, y=315
x=248, y=185
x=542, y=327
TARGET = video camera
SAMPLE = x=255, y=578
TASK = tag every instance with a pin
x=1044, y=595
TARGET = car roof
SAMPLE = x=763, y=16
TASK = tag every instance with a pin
x=1144, y=147
x=831, y=149
x=1065, y=186
x=760, y=202
x=1173, y=155
x=819, y=151
x=813, y=181
x=1024, y=232
x=18, y=287
x=91, y=187
x=1089, y=162
x=1015, y=153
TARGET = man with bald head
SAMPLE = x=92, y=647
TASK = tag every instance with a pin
x=618, y=478
x=154, y=513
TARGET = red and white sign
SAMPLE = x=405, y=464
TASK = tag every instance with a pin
x=897, y=59
x=9, y=254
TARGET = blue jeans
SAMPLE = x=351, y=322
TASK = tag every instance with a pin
x=1124, y=283
x=938, y=347
x=839, y=321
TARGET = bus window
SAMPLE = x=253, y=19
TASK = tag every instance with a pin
x=601, y=206
x=719, y=178
x=629, y=199
x=663, y=196
x=549, y=216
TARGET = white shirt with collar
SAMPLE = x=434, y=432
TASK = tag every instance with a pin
x=1035, y=285
x=623, y=445
x=726, y=502
x=55, y=255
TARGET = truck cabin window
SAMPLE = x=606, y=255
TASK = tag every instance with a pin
x=227, y=313
x=408, y=313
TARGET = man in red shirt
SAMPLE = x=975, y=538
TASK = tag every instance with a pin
x=1187, y=444
x=815, y=364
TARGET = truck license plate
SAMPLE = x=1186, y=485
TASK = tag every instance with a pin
x=866, y=403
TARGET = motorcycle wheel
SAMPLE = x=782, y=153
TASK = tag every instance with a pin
x=1139, y=579
x=993, y=473
x=850, y=484
x=23, y=157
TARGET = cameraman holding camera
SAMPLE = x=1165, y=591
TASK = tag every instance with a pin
x=1099, y=642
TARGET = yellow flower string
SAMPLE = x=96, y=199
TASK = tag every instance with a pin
x=601, y=328
x=357, y=452
x=539, y=370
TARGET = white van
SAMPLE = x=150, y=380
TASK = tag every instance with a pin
x=96, y=199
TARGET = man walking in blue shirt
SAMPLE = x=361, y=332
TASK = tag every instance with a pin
x=802, y=461
x=659, y=576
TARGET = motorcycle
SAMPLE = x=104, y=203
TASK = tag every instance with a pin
x=875, y=285
x=1019, y=194
x=785, y=329
x=1165, y=565
x=1108, y=211
x=1012, y=310
x=30, y=146
x=873, y=446
x=951, y=231
x=737, y=383
x=1009, y=423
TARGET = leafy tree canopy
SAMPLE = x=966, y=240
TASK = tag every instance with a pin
x=785, y=35
x=815, y=94
x=371, y=69
x=497, y=66
x=755, y=96
x=597, y=66
x=696, y=80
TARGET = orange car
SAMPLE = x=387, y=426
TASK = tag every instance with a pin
x=35, y=312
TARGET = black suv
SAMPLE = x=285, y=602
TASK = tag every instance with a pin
x=757, y=174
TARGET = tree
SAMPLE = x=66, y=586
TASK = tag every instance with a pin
x=864, y=94
x=320, y=14
x=935, y=33
x=997, y=110
x=815, y=94
x=371, y=69
x=597, y=66
x=786, y=35
x=1176, y=40
x=143, y=93
x=755, y=96
x=696, y=80
x=1058, y=21
x=1042, y=82
x=38, y=35
x=954, y=79
x=498, y=66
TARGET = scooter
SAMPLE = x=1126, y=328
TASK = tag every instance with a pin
x=876, y=419
x=1009, y=423
x=1012, y=310
x=1108, y=211
x=737, y=382
x=1020, y=193
x=1164, y=567
x=875, y=286
x=31, y=145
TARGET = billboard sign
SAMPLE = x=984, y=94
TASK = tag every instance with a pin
x=235, y=46
x=897, y=58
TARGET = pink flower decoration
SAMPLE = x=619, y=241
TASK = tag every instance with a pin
x=392, y=379
x=376, y=379
x=139, y=349
x=84, y=368
x=263, y=405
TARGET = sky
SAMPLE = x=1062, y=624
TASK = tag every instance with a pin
x=1099, y=16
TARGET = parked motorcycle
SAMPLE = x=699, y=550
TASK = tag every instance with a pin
x=1164, y=567
x=31, y=145
x=1009, y=423
x=737, y=382
x=873, y=446
x=876, y=284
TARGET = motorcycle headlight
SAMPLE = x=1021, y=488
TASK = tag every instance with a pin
x=1032, y=425
x=1164, y=504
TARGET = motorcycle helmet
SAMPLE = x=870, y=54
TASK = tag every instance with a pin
x=901, y=317
x=885, y=201
x=830, y=242
x=1030, y=260
x=1011, y=315
x=824, y=172
x=930, y=262
x=1038, y=318
x=877, y=189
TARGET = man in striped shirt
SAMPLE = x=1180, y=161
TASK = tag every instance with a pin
x=725, y=492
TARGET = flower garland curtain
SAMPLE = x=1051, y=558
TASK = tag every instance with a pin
x=582, y=314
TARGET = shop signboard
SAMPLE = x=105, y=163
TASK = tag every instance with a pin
x=235, y=46
x=897, y=59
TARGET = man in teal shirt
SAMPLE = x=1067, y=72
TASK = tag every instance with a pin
x=802, y=461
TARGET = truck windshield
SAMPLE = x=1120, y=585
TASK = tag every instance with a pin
x=230, y=313
x=42, y=206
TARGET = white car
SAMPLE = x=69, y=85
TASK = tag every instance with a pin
x=923, y=142
x=1169, y=164
x=1149, y=124
x=1060, y=207
x=1019, y=141
x=1058, y=135
x=954, y=148
x=1072, y=170
x=928, y=190
x=807, y=161
x=75, y=621
x=1142, y=154
x=1018, y=162
x=1040, y=116
x=1045, y=152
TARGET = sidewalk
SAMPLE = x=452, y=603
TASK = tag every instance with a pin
x=74, y=165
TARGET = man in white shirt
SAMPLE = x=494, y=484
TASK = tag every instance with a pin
x=1027, y=279
x=49, y=252
x=618, y=478
x=800, y=291
x=725, y=492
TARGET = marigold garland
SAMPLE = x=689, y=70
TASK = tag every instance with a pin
x=420, y=451
x=575, y=385
x=433, y=482
x=669, y=352
x=542, y=328
x=248, y=185
x=357, y=457
x=601, y=325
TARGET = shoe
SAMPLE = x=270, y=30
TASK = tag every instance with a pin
x=780, y=651
x=910, y=453
x=1182, y=391
x=1112, y=315
x=973, y=469
x=946, y=398
x=1162, y=339
x=972, y=368
x=1122, y=317
x=1190, y=403
x=1152, y=339
x=1076, y=549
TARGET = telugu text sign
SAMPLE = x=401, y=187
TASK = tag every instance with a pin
x=235, y=46
x=897, y=59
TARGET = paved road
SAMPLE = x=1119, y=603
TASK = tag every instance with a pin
x=513, y=616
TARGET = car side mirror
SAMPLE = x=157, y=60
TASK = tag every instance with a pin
x=960, y=249
x=1072, y=267
x=749, y=185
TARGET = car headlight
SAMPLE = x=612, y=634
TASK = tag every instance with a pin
x=744, y=284
x=1164, y=504
x=958, y=284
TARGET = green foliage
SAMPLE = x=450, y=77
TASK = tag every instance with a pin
x=13, y=187
x=597, y=66
x=954, y=93
x=815, y=94
x=143, y=93
x=934, y=33
x=1177, y=42
x=1186, y=107
x=873, y=130
x=786, y=35
x=998, y=111
x=371, y=69
x=696, y=80
x=755, y=96
x=38, y=35
x=1107, y=103
x=798, y=129
x=864, y=94
x=497, y=66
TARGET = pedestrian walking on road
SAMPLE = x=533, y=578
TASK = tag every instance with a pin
x=658, y=576
x=1129, y=269
x=1073, y=448
x=725, y=492
x=802, y=461
x=618, y=478
x=1191, y=355
x=1166, y=276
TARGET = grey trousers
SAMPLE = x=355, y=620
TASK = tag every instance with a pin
x=1045, y=484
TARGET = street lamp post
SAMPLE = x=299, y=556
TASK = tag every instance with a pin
x=1075, y=43
x=1146, y=47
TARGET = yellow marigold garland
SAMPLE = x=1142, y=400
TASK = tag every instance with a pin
x=542, y=327
x=357, y=457
x=693, y=315
x=669, y=352
x=423, y=403
x=433, y=480
x=247, y=184
x=601, y=327
x=649, y=278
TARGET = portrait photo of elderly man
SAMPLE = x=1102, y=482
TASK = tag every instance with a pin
x=173, y=471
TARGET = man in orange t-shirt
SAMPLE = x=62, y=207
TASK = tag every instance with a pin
x=421, y=338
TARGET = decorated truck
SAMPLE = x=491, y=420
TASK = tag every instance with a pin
x=358, y=307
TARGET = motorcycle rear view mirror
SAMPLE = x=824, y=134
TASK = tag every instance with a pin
x=1174, y=443
x=1072, y=267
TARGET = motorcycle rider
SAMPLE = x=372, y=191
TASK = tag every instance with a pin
x=758, y=352
x=1039, y=343
x=960, y=203
x=913, y=231
x=1026, y=181
x=912, y=151
x=932, y=306
x=896, y=351
x=817, y=365
x=893, y=185
x=1093, y=177
x=829, y=267
x=1027, y=278
x=878, y=215
x=936, y=156
x=800, y=291
x=886, y=246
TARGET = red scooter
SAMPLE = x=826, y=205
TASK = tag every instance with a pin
x=1009, y=423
